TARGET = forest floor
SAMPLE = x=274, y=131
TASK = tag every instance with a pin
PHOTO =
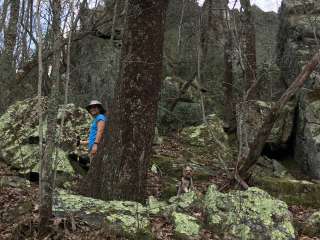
x=19, y=215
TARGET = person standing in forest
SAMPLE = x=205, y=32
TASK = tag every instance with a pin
x=98, y=127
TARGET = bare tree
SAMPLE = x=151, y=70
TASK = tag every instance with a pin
x=4, y=14
x=249, y=50
x=229, y=111
x=47, y=162
x=120, y=169
x=40, y=67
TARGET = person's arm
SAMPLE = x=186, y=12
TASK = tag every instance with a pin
x=101, y=126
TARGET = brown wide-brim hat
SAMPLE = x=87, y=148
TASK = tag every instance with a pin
x=96, y=103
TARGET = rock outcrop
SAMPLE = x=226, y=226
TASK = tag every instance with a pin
x=19, y=140
x=297, y=42
x=251, y=116
x=252, y=214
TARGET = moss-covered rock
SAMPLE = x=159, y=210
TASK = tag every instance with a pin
x=172, y=166
x=253, y=114
x=267, y=167
x=14, y=181
x=251, y=214
x=312, y=226
x=185, y=201
x=19, y=140
x=130, y=217
x=185, y=226
x=155, y=206
x=291, y=191
x=207, y=137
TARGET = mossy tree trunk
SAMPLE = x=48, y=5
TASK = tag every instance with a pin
x=120, y=169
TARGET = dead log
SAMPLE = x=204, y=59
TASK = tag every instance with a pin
x=255, y=147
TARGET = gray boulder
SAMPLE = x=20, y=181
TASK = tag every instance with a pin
x=251, y=116
x=19, y=141
x=312, y=225
x=251, y=214
x=129, y=218
x=307, y=151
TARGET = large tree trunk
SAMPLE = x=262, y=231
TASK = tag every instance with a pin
x=255, y=147
x=249, y=49
x=47, y=162
x=10, y=34
x=120, y=170
x=7, y=61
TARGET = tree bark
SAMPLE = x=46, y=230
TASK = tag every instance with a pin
x=120, y=169
x=40, y=77
x=10, y=34
x=3, y=14
x=7, y=63
x=47, y=163
x=255, y=148
x=249, y=49
x=229, y=111
x=114, y=19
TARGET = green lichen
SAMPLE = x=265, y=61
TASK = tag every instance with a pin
x=14, y=181
x=185, y=226
x=19, y=132
x=129, y=224
x=251, y=214
x=131, y=217
x=185, y=200
x=155, y=207
x=291, y=191
x=312, y=225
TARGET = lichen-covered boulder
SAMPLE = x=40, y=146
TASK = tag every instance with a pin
x=312, y=225
x=252, y=115
x=290, y=190
x=130, y=217
x=177, y=203
x=267, y=167
x=185, y=201
x=185, y=226
x=208, y=139
x=251, y=214
x=14, y=181
x=155, y=206
x=203, y=134
x=19, y=138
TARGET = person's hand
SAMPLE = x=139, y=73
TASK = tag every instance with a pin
x=83, y=142
x=94, y=150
